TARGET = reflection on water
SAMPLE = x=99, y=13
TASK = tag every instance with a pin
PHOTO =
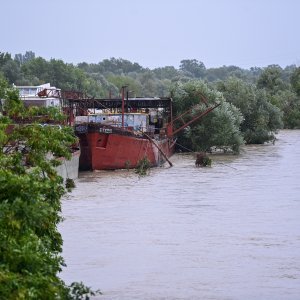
x=227, y=232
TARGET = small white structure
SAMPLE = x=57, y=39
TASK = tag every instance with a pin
x=43, y=95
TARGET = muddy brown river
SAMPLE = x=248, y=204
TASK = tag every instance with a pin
x=231, y=231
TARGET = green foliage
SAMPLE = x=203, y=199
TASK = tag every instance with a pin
x=207, y=161
x=78, y=290
x=169, y=73
x=220, y=128
x=9, y=68
x=119, y=81
x=143, y=166
x=186, y=95
x=70, y=184
x=23, y=58
x=193, y=67
x=295, y=81
x=3, y=86
x=12, y=105
x=117, y=66
x=289, y=103
x=261, y=118
x=270, y=79
x=29, y=240
x=4, y=58
x=30, y=193
x=65, y=76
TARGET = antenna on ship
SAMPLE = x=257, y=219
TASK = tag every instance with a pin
x=123, y=103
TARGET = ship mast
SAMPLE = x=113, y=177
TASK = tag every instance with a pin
x=123, y=104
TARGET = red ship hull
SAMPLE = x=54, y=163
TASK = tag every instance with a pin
x=125, y=131
x=116, y=149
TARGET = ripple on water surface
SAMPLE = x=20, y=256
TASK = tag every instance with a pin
x=227, y=232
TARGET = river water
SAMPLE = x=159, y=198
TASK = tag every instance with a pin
x=231, y=231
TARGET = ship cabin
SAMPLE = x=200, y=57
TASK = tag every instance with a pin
x=137, y=115
x=139, y=122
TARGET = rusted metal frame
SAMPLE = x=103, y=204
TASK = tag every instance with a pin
x=203, y=99
x=77, y=101
x=183, y=114
x=196, y=118
x=72, y=95
x=46, y=93
x=123, y=105
x=133, y=103
x=98, y=104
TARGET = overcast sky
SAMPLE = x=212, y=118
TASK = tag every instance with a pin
x=155, y=33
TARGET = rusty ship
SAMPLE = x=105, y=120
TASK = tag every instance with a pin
x=117, y=133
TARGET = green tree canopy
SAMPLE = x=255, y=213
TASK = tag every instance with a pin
x=270, y=79
x=193, y=67
x=22, y=58
x=261, y=118
x=220, y=128
x=30, y=193
x=295, y=81
x=119, y=81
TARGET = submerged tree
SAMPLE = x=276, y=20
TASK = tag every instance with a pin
x=220, y=128
x=30, y=193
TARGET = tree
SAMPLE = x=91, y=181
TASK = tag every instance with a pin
x=261, y=118
x=21, y=59
x=289, y=103
x=11, y=71
x=270, y=79
x=119, y=81
x=118, y=66
x=149, y=84
x=220, y=128
x=38, y=68
x=168, y=72
x=4, y=58
x=224, y=72
x=295, y=81
x=3, y=86
x=30, y=193
x=193, y=66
